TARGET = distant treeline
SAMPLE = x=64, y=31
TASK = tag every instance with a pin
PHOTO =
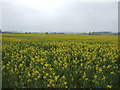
x=44, y=33
x=103, y=33
x=90, y=33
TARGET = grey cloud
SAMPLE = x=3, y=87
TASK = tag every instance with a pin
x=72, y=17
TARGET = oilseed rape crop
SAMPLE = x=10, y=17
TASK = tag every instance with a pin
x=60, y=61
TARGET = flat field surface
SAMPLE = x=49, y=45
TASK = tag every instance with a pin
x=60, y=61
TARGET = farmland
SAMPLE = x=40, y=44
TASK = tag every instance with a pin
x=60, y=61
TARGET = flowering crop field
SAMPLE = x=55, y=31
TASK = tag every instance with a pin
x=60, y=61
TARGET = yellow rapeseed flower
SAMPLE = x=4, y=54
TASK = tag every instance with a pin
x=65, y=83
x=109, y=86
x=47, y=74
x=112, y=73
x=95, y=76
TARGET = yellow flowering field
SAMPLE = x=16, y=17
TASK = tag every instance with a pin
x=60, y=61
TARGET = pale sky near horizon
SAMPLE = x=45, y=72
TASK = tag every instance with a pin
x=60, y=17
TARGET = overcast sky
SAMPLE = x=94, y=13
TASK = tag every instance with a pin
x=64, y=17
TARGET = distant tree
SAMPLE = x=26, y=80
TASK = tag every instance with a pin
x=118, y=33
x=54, y=33
x=46, y=33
